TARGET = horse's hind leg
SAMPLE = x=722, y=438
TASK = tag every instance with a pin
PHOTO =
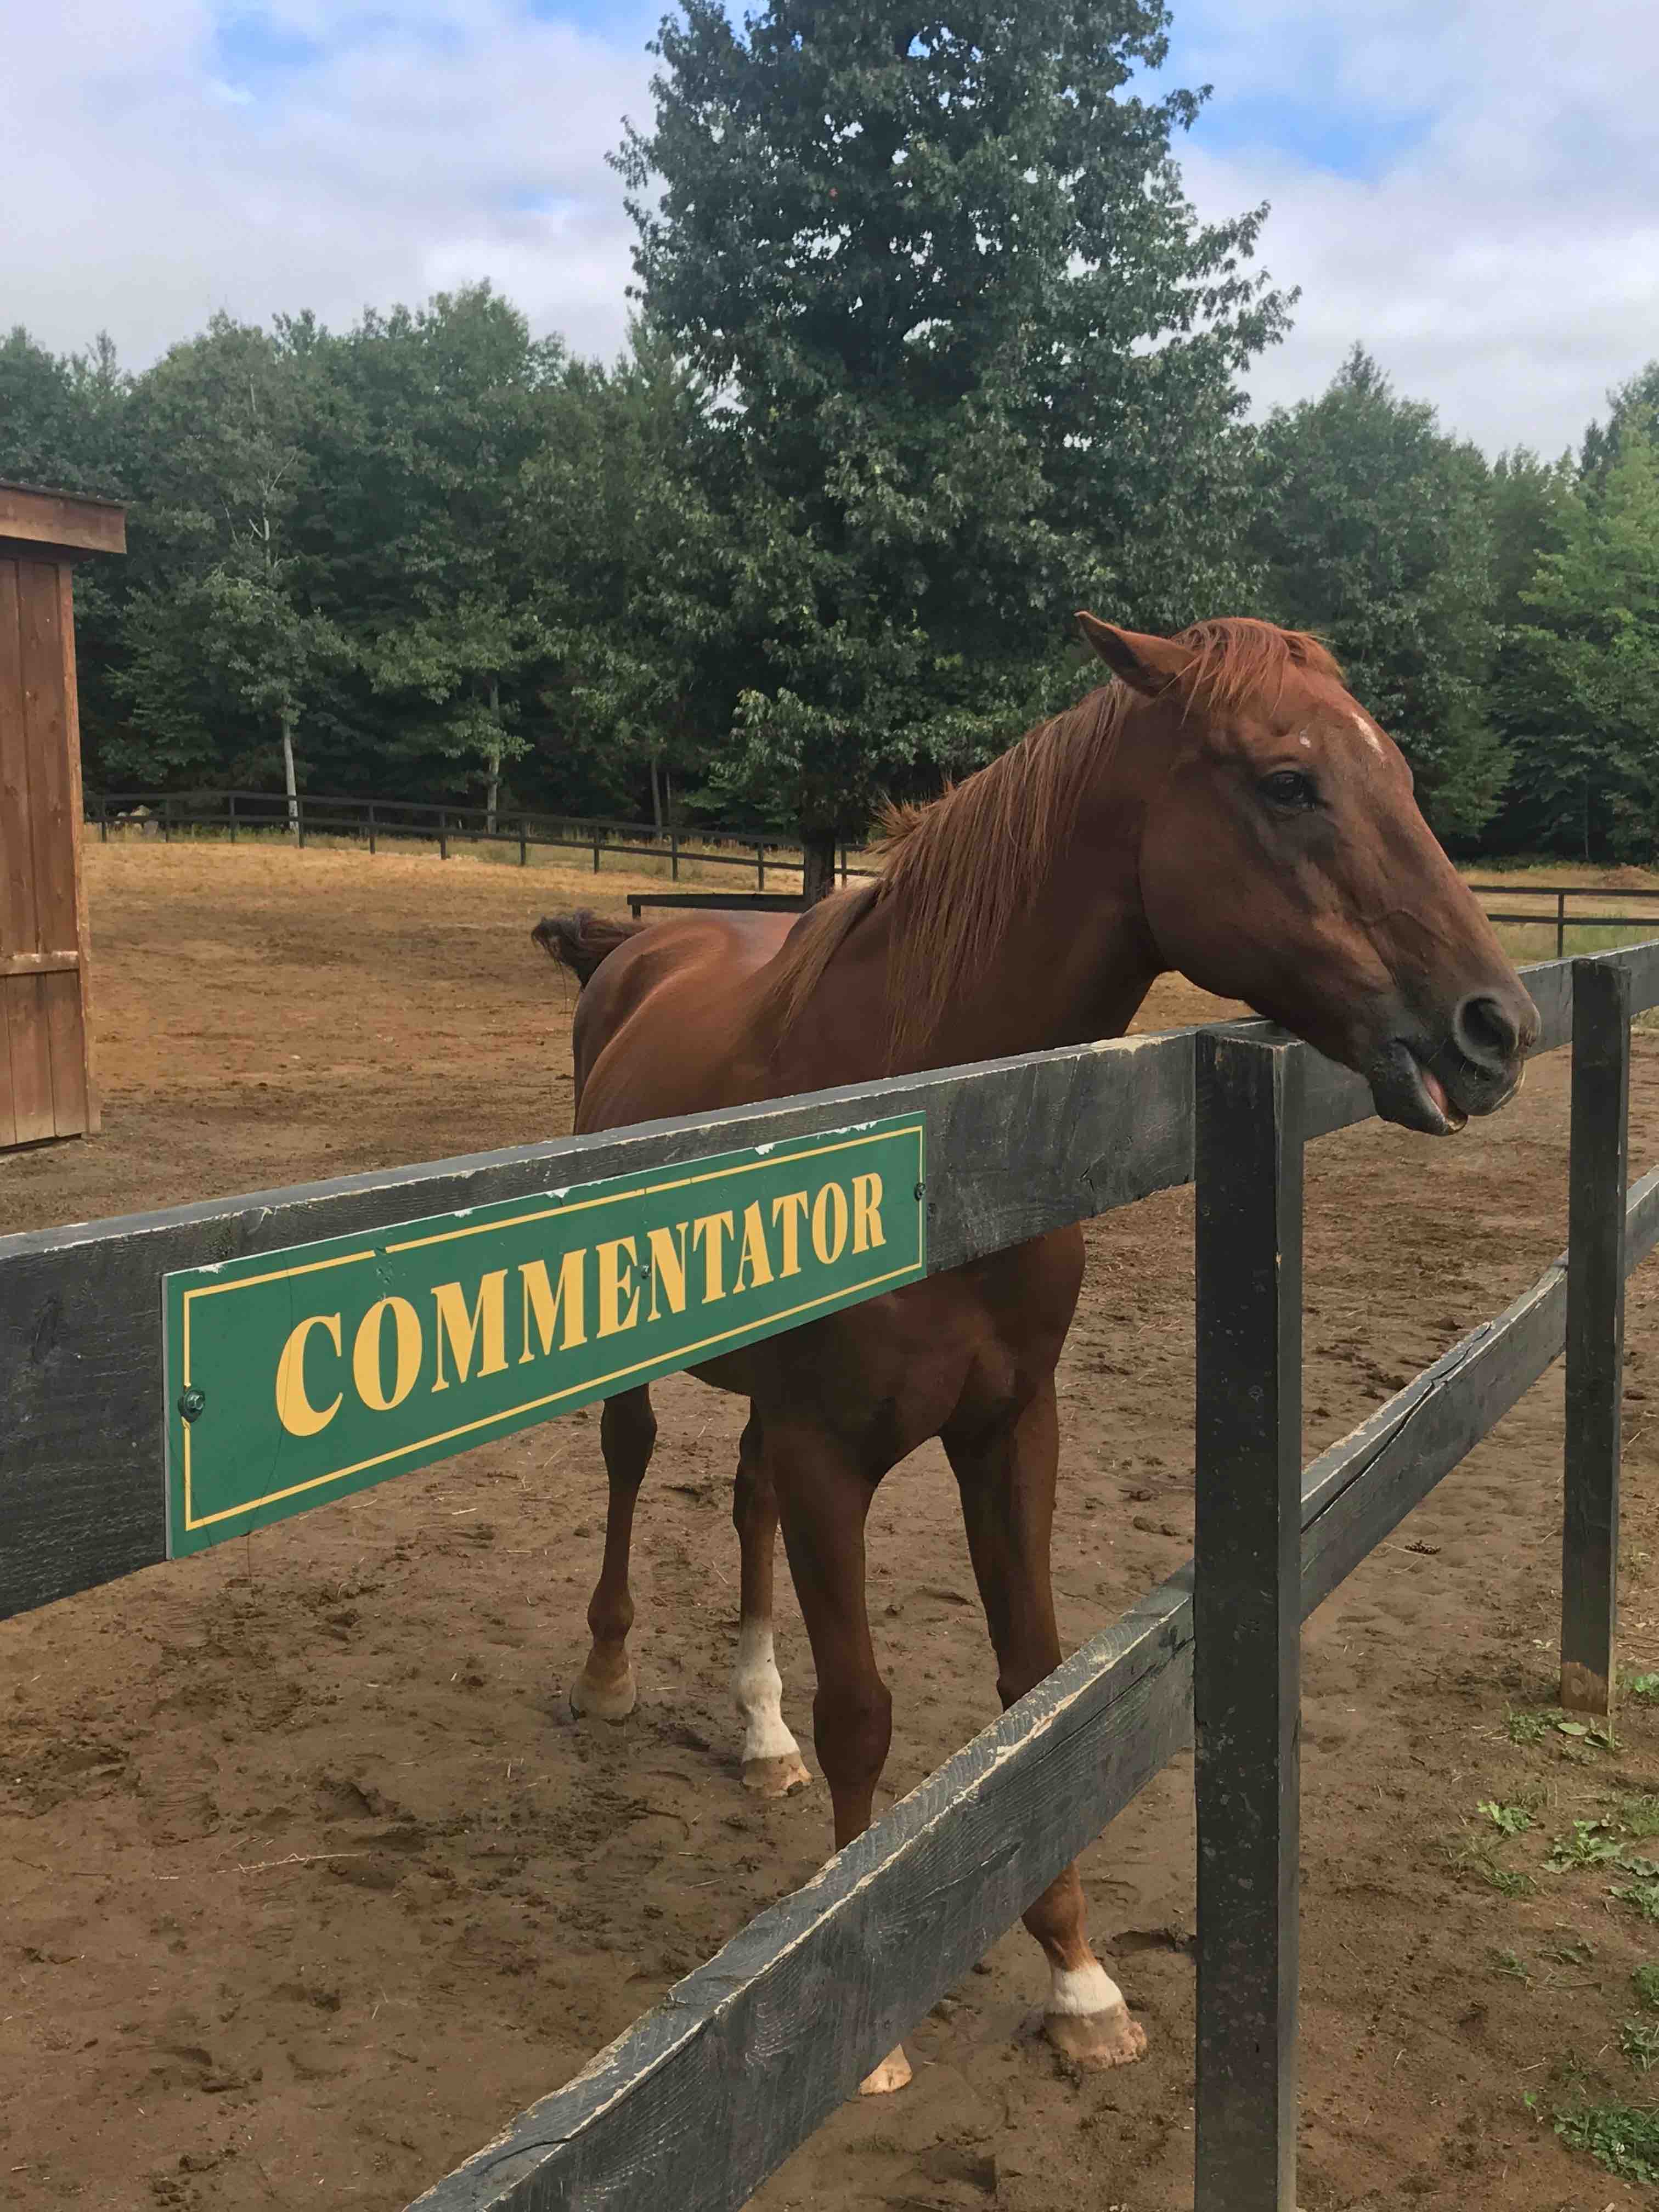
x=1006, y=1472
x=772, y=1764
x=605, y=1687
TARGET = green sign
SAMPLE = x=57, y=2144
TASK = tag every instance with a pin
x=297, y=1376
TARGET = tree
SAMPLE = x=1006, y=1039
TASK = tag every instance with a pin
x=1373, y=528
x=1582, y=679
x=1632, y=411
x=226, y=648
x=974, y=358
x=415, y=522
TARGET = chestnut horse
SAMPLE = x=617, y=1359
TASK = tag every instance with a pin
x=1224, y=808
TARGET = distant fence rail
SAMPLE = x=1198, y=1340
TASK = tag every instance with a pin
x=442, y=823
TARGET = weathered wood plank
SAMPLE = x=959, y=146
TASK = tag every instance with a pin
x=1247, y=1662
x=752, y=2051
x=1596, y=1334
x=60, y=519
x=93, y=1119
x=1021, y=1146
x=7, y=1103
x=1024, y=1145
x=31, y=1057
x=19, y=925
x=43, y=666
x=703, y=2098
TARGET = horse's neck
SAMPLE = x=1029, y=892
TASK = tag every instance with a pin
x=1074, y=969
x=1072, y=966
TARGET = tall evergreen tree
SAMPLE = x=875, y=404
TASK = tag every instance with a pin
x=977, y=359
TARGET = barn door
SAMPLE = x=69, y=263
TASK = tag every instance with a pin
x=46, y=1075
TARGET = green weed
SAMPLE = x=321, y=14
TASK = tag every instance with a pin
x=1592, y=1842
x=1623, y=2139
x=1637, y=1816
x=1507, y=1962
x=1645, y=1688
x=1508, y=1819
x=1644, y=1980
x=1639, y=2041
x=1528, y=1728
x=1642, y=1896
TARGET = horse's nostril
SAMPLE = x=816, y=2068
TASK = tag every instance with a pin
x=1486, y=1033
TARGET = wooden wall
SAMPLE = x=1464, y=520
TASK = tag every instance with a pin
x=46, y=1083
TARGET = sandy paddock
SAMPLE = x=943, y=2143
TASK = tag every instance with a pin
x=311, y=1882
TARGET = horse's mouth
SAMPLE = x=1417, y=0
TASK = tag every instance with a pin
x=1434, y=1094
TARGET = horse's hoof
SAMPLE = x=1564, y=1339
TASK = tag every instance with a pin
x=1096, y=2039
x=604, y=1701
x=893, y=2073
x=774, y=1778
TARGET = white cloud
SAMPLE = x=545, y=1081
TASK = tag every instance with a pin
x=166, y=184
x=1505, y=265
x=1503, y=262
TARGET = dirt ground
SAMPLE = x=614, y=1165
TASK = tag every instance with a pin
x=312, y=1882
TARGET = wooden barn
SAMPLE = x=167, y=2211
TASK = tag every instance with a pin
x=46, y=1082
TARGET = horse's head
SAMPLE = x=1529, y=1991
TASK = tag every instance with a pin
x=1283, y=861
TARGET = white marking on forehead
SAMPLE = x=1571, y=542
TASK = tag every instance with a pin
x=1368, y=734
x=1306, y=741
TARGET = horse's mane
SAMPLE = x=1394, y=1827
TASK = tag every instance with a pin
x=964, y=868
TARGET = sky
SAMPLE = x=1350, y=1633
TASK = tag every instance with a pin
x=1470, y=187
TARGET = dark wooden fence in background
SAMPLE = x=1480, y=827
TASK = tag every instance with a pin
x=372, y=821
x=703, y=2098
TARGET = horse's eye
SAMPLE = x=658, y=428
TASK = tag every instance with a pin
x=1289, y=788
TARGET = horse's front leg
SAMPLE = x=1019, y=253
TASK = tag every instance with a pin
x=772, y=1764
x=1006, y=1471
x=824, y=1497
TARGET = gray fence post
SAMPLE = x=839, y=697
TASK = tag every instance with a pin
x=1247, y=1614
x=760, y=867
x=371, y=827
x=674, y=856
x=233, y=817
x=1596, y=1334
x=300, y=818
x=523, y=842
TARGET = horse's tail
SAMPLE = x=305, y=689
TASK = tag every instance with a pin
x=582, y=940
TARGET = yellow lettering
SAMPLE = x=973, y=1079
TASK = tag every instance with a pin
x=830, y=1224
x=294, y=1409
x=616, y=1284
x=753, y=1254
x=866, y=1212
x=487, y=1320
x=668, y=1266
x=790, y=1211
x=710, y=1228
x=542, y=1301
x=368, y=1351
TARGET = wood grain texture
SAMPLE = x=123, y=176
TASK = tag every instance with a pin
x=79, y=1334
x=27, y=1024
x=91, y=1113
x=1596, y=1334
x=19, y=924
x=31, y=518
x=1021, y=1146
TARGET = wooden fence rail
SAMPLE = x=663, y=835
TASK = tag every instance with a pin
x=311, y=814
x=706, y=2095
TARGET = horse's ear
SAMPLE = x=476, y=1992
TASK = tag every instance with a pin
x=1146, y=664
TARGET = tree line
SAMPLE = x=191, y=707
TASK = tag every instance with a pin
x=929, y=349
